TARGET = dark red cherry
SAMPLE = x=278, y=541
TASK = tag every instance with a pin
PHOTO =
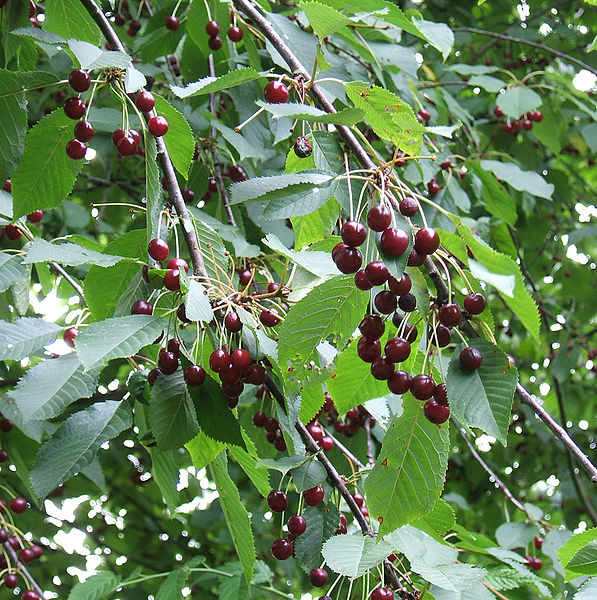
x=297, y=525
x=172, y=280
x=277, y=501
x=382, y=593
x=11, y=581
x=126, y=146
x=37, y=550
x=271, y=424
x=259, y=419
x=394, y=241
x=498, y=112
x=361, y=281
x=318, y=577
x=379, y=218
x=349, y=260
x=167, y=362
x=303, y=147
x=353, y=233
x=26, y=555
x=152, y=376
x=76, y=149
x=188, y=195
x=424, y=115
x=235, y=34
x=84, y=131
x=397, y=349
x=440, y=394
x=538, y=542
x=337, y=249
x=327, y=443
x=36, y=216
x=407, y=302
x=433, y=187
x=178, y=263
x=158, y=249
x=30, y=595
x=236, y=173
x=74, y=108
x=426, y=241
x=18, y=505
x=232, y=322
x=145, y=101
x=281, y=549
x=313, y=496
x=69, y=336
x=219, y=360
x=441, y=336
x=240, y=359
x=372, y=327
x=450, y=314
x=212, y=28
x=368, y=350
x=527, y=124
x=12, y=232
x=275, y=92
x=194, y=375
x=269, y=317
x=415, y=259
x=141, y=307
x=385, y=302
x=255, y=374
x=401, y=286
x=316, y=431
x=158, y=126
x=376, y=272
x=382, y=368
x=79, y=80
x=172, y=23
x=475, y=303
x=436, y=413
x=408, y=207
x=422, y=386
x=399, y=382
x=6, y=425
x=471, y=358
x=135, y=25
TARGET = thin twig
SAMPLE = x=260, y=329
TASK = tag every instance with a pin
x=23, y=569
x=68, y=278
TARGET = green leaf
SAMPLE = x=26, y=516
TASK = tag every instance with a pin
x=153, y=188
x=69, y=254
x=486, y=82
x=209, y=85
x=354, y=555
x=494, y=197
x=334, y=308
x=157, y=40
x=483, y=397
x=237, y=518
x=587, y=591
x=12, y=270
x=318, y=263
x=516, y=101
x=316, y=225
x=322, y=523
x=90, y=56
x=164, y=471
x=254, y=339
x=324, y=19
x=305, y=112
x=502, y=283
x=522, y=304
x=25, y=336
x=69, y=19
x=516, y=535
x=179, y=140
x=98, y=586
x=439, y=521
x=308, y=475
x=390, y=117
x=105, y=289
x=172, y=415
x=284, y=464
x=248, y=461
x=119, y=337
x=419, y=547
x=212, y=246
x=525, y=181
x=585, y=560
x=76, y=442
x=409, y=474
x=45, y=165
x=50, y=386
x=571, y=548
x=171, y=588
x=452, y=577
x=439, y=35
x=197, y=304
x=203, y=450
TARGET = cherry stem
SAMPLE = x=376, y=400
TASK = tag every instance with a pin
x=23, y=569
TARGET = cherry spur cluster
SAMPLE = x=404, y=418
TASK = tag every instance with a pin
x=15, y=549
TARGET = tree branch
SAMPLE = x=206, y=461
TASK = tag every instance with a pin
x=23, y=569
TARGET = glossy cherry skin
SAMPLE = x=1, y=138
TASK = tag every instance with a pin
x=407, y=302
x=368, y=350
x=424, y=115
x=36, y=216
x=397, y=350
x=255, y=374
x=215, y=43
x=426, y=241
x=236, y=173
x=212, y=28
x=415, y=259
x=281, y=549
x=141, y=307
x=353, y=233
x=12, y=232
x=126, y=146
x=275, y=92
x=327, y=443
x=259, y=419
x=167, y=362
x=74, y=108
x=26, y=555
x=6, y=425
x=240, y=359
x=372, y=327
x=277, y=501
x=349, y=260
x=401, y=286
x=235, y=34
x=538, y=542
x=361, y=281
x=433, y=187
x=69, y=336
x=316, y=431
x=475, y=303
x=385, y=302
x=376, y=272
x=436, y=413
x=172, y=280
x=152, y=376
x=399, y=382
x=422, y=386
x=172, y=23
x=471, y=358
x=18, y=505
x=158, y=249
x=441, y=336
x=219, y=360
x=158, y=126
x=30, y=595
x=84, y=131
x=194, y=375
x=76, y=149
x=269, y=317
x=498, y=112
x=178, y=263
x=382, y=368
x=382, y=593
x=145, y=101
x=313, y=496
x=232, y=322
x=318, y=577
x=440, y=394
x=394, y=241
x=408, y=207
x=79, y=80
x=297, y=525
x=11, y=581
x=379, y=218
x=337, y=249
x=450, y=314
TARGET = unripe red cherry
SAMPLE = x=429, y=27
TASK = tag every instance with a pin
x=379, y=218
x=167, y=362
x=394, y=241
x=426, y=241
x=212, y=28
x=141, y=307
x=219, y=360
x=172, y=280
x=232, y=322
x=172, y=23
x=69, y=336
x=158, y=249
x=475, y=303
x=372, y=327
x=76, y=149
x=297, y=525
x=376, y=272
x=158, y=126
x=436, y=413
x=349, y=260
x=194, y=375
x=318, y=577
x=471, y=358
x=79, y=80
x=313, y=496
x=450, y=314
x=214, y=43
x=84, y=131
x=18, y=505
x=74, y=108
x=422, y=386
x=36, y=216
x=275, y=92
x=382, y=593
x=235, y=34
x=353, y=233
x=399, y=382
x=145, y=101
x=281, y=549
x=277, y=501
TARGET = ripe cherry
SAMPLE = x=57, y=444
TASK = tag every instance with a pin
x=516, y=126
x=235, y=34
x=353, y=233
x=275, y=92
x=349, y=260
x=376, y=272
x=255, y=374
x=422, y=386
x=12, y=232
x=385, y=302
x=446, y=165
x=436, y=413
x=126, y=146
x=178, y=263
x=313, y=496
x=69, y=336
x=450, y=314
x=11, y=581
x=167, y=362
x=172, y=23
x=26, y=555
x=215, y=43
x=368, y=350
x=157, y=126
x=30, y=595
x=372, y=327
x=135, y=25
x=538, y=542
x=259, y=419
x=440, y=394
x=240, y=359
x=441, y=336
x=407, y=302
x=277, y=501
x=401, y=286
x=194, y=375
x=303, y=147
x=424, y=115
x=18, y=505
x=172, y=280
x=327, y=443
x=536, y=115
x=158, y=249
x=408, y=207
x=394, y=241
x=361, y=281
x=474, y=303
x=188, y=195
x=232, y=322
x=74, y=108
x=236, y=173
x=84, y=131
x=76, y=149
x=433, y=187
x=382, y=593
x=79, y=80
x=426, y=241
x=498, y=112
x=281, y=549
x=415, y=259
x=297, y=525
x=508, y=128
x=533, y=563
x=141, y=307
x=37, y=550
x=337, y=249
x=399, y=382
x=173, y=346
x=318, y=577
x=152, y=376
x=379, y=218
x=6, y=425
x=527, y=124
x=3, y=456
x=269, y=317
x=471, y=358
x=36, y=216
x=397, y=349
x=212, y=28
x=219, y=360
x=382, y=368
x=145, y=101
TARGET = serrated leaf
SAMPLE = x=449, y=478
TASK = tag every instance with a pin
x=119, y=337
x=171, y=588
x=76, y=442
x=483, y=397
x=172, y=416
x=157, y=40
x=248, y=461
x=45, y=166
x=134, y=80
x=502, y=283
x=179, y=140
x=305, y=112
x=69, y=254
x=209, y=85
x=324, y=19
x=525, y=181
x=439, y=35
x=409, y=474
x=212, y=248
x=332, y=309
x=69, y=19
x=92, y=57
x=322, y=523
x=505, y=578
x=494, y=196
x=97, y=587
x=308, y=475
x=234, y=588
x=568, y=551
x=354, y=555
x=452, y=577
x=153, y=188
x=50, y=386
x=24, y=336
x=12, y=270
x=390, y=117
x=515, y=535
x=203, y=450
x=237, y=518
x=318, y=263
x=587, y=591
x=585, y=560
x=439, y=521
x=516, y=101
x=197, y=304
x=164, y=471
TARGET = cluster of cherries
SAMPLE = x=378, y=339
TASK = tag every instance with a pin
x=532, y=561
x=212, y=28
x=11, y=231
x=523, y=122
